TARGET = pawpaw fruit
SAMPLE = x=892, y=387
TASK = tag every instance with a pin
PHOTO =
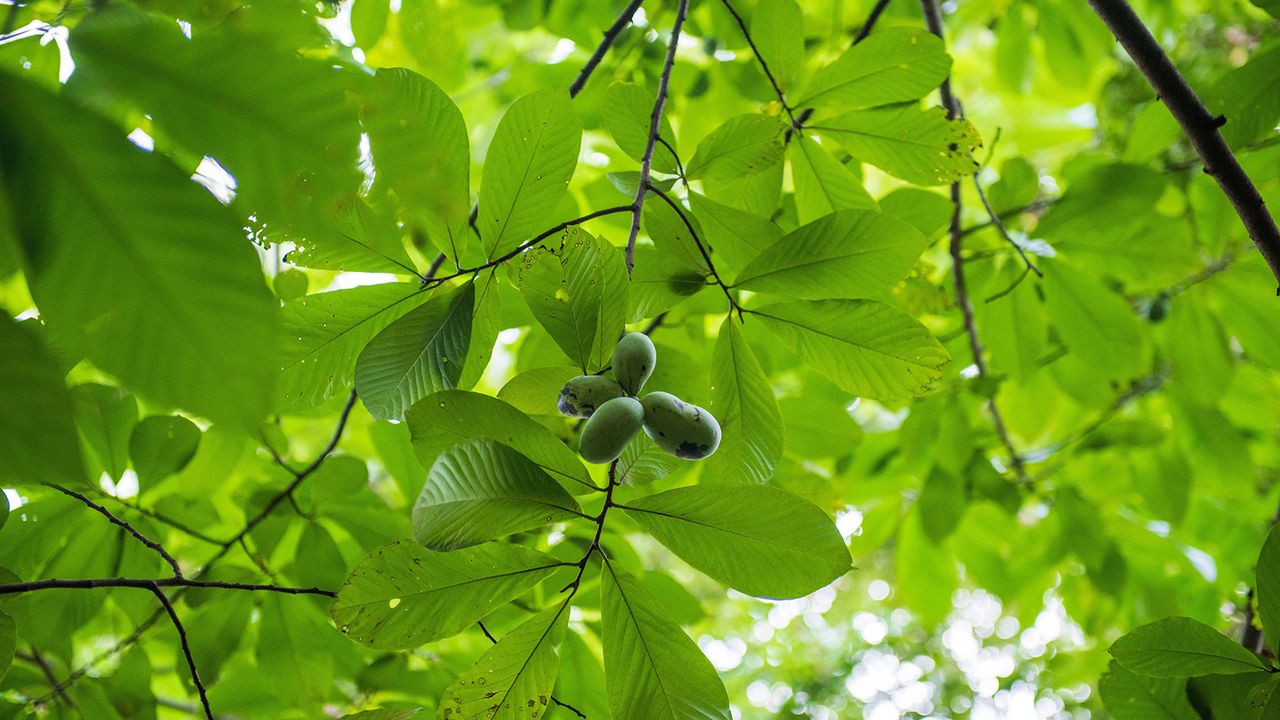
x=682, y=429
x=633, y=361
x=581, y=396
x=609, y=429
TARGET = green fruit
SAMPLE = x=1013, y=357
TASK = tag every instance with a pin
x=609, y=430
x=684, y=430
x=582, y=395
x=633, y=361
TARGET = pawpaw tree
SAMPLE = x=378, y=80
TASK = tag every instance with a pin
x=647, y=360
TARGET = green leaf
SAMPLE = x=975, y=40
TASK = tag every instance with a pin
x=32, y=387
x=643, y=462
x=168, y=296
x=578, y=292
x=756, y=539
x=481, y=490
x=735, y=236
x=277, y=121
x=848, y=254
x=537, y=391
x=382, y=714
x=324, y=334
x=777, y=27
x=8, y=643
x=105, y=416
x=292, y=654
x=421, y=353
x=368, y=21
x=744, y=145
x=1268, y=586
x=161, y=445
x=1182, y=647
x=486, y=323
x=402, y=596
x=653, y=671
x=627, y=111
x=925, y=573
x=1096, y=325
x=447, y=418
x=1199, y=350
x=919, y=146
x=1249, y=97
x=224, y=623
x=527, y=170
x=420, y=150
x=823, y=184
x=889, y=66
x=1135, y=697
x=865, y=347
x=742, y=399
x=927, y=211
x=673, y=239
x=515, y=677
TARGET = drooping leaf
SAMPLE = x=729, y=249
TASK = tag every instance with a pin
x=368, y=21
x=421, y=353
x=161, y=445
x=745, y=145
x=32, y=386
x=848, y=254
x=742, y=400
x=919, y=146
x=653, y=671
x=514, y=678
x=527, y=170
x=292, y=652
x=481, y=490
x=537, y=391
x=169, y=297
x=324, y=334
x=402, y=596
x=105, y=416
x=777, y=28
x=447, y=418
x=823, y=184
x=889, y=66
x=756, y=539
x=486, y=323
x=627, y=111
x=865, y=347
x=1182, y=647
x=578, y=293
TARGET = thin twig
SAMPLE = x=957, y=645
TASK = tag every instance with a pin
x=777, y=89
x=706, y=256
x=38, y=660
x=148, y=583
x=159, y=517
x=177, y=569
x=186, y=649
x=654, y=323
x=1033, y=206
x=1200, y=127
x=867, y=26
x=655, y=127
x=611, y=34
x=995, y=220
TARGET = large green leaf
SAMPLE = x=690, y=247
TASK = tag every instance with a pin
x=105, y=416
x=32, y=387
x=777, y=28
x=402, y=596
x=447, y=418
x=578, y=292
x=742, y=400
x=848, y=254
x=527, y=169
x=278, y=122
x=486, y=323
x=420, y=151
x=161, y=445
x=1134, y=697
x=735, y=236
x=421, y=353
x=293, y=654
x=865, y=347
x=823, y=184
x=889, y=66
x=653, y=671
x=8, y=643
x=324, y=334
x=1249, y=97
x=642, y=462
x=1268, y=586
x=479, y=490
x=744, y=145
x=919, y=146
x=1097, y=325
x=514, y=678
x=627, y=111
x=757, y=539
x=139, y=268
x=1182, y=647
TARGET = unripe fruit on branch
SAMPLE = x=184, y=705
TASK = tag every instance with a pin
x=581, y=396
x=609, y=429
x=633, y=361
x=687, y=431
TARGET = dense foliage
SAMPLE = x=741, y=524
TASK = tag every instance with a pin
x=289, y=292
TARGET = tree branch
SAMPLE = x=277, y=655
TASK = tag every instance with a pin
x=177, y=570
x=655, y=127
x=777, y=89
x=1197, y=124
x=148, y=583
x=933, y=20
x=706, y=256
x=186, y=648
x=611, y=34
x=58, y=689
x=865, y=30
x=175, y=524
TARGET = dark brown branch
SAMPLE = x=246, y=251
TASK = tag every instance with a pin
x=58, y=689
x=654, y=323
x=147, y=584
x=655, y=127
x=611, y=34
x=933, y=20
x=177, y=570
x=777, y=89
x=706, y=256
x=872, y=18
x=1000, y=228
x=186, y=649
x=164, y=519
x=1197, y=124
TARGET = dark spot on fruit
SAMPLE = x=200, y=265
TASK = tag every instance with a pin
x=692, y=451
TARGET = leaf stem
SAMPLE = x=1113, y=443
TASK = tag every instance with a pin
x=777, y=89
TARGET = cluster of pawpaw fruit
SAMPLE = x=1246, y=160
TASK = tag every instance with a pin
x=615, y=415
